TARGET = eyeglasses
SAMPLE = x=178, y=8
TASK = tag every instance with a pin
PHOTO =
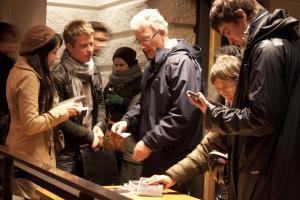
x=147, y=39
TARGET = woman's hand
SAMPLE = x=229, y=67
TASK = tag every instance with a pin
x=167, y=181
x=74, y=109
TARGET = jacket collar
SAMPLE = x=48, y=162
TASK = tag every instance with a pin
x=181, y=47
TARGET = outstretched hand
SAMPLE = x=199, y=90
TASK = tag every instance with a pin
x=119, y=127
x=167, y=181
x=73, y=108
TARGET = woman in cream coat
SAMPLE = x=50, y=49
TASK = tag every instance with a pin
x=31, y=98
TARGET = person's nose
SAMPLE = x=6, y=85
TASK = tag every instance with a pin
x=142, y=45
x=90, y=48
x=222, y=93
x=230, y=40
x=117, y=69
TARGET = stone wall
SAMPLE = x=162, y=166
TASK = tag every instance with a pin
x=23, y=15
x=291, y=6
x=116, y=15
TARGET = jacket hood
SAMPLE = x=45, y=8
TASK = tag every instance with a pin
x=181, y=48
x=278, y=24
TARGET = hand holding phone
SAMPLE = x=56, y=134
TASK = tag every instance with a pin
x=199, y=100
x=194, y=95
x=83, y=111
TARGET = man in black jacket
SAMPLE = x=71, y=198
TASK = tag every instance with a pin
x=265, y=121
x=261, y=130
x=74, y=76
x=262, y=127
x=169, y=124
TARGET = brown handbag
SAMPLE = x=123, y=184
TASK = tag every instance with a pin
x=113, y=141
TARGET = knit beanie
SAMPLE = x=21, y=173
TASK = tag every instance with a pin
x=127, y=54
x=36, y=37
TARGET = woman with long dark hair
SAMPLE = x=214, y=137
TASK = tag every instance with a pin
x=31, y=100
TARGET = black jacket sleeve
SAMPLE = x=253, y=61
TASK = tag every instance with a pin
x=132, y=117
x=77, y=132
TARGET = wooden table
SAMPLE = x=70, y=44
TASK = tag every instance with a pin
x=167, y=195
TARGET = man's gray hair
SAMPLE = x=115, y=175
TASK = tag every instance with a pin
x=149, y=17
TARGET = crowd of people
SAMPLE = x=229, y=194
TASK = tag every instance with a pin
x=256, y=129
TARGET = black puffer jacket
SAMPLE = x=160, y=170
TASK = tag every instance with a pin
x=169, y=124
x=264, y=124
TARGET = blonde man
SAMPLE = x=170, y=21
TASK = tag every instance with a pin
x=76, y=75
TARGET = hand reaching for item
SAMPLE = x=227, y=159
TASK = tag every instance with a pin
x=119, y=127
x=167, y=181
x=73, y=108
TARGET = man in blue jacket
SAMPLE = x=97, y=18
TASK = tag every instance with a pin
x=169, y=124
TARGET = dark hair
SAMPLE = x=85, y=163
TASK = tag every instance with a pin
x=127, y=54
x=98, y=27
x=231, y=50
x=224, y=11
x=8, y=30
x=38, y=60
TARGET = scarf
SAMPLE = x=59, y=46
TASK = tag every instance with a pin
x=122, y=78
x=79, y=73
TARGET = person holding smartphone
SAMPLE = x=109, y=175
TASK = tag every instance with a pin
x=262, y=125
x=224, y=76
x=76, y=75
x=33, y=102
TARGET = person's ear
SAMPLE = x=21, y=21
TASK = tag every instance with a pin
x=240, y=14
x=162, y=33
x=69, y=46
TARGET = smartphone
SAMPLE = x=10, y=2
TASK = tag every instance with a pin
x=194, y=95
x=83, y=111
